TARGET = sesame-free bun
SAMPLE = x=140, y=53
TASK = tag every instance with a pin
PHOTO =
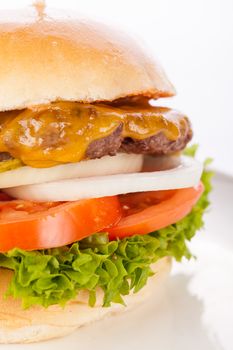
x=37, y=323
x=48, y=55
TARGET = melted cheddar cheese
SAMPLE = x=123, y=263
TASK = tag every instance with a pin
x=47, y=135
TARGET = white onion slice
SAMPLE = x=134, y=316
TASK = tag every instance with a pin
x=187, y=174
x=26, y=175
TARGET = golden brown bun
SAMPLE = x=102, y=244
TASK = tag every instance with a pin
x=37, y=324
x=51, y=56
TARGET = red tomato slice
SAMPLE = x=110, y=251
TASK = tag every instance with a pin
x=150, y=211
x=31, y=226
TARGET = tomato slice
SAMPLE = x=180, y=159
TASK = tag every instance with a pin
x=150, y=211
x=31, y=226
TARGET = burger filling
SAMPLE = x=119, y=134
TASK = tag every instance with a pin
x=82, y=205
x=65, y=132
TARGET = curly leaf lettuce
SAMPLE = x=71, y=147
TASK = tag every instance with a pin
x=55, y=276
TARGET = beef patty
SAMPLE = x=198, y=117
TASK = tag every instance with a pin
x=65, y=132
x=157, y=144
x=5, y=156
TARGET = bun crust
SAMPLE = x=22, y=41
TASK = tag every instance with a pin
x=37, y=323
x=52, y=56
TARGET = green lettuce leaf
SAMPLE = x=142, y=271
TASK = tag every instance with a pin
x=55, y=276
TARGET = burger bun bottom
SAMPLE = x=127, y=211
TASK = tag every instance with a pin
x=38, y=324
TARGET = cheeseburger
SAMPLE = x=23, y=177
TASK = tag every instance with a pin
x=98, y=190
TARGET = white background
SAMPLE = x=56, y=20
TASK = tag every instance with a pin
x=194, y=41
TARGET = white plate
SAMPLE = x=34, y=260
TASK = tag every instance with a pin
x=196, y=308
